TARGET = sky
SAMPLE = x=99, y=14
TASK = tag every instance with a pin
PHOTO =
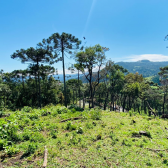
x=132, y=29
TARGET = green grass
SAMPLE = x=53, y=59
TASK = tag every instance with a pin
x=98, y=139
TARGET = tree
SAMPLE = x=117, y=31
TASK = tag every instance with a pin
x=74, y=84
x=4, y=90
x=63, y=43
x=36, y=56
x=113, y=77
x=92, y=57
x=164, y=81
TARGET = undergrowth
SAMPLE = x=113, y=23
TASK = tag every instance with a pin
x=91, y=138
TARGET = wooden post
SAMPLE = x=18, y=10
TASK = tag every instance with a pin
x=45, y=157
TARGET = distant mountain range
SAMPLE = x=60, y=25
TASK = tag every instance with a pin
x=144, y=67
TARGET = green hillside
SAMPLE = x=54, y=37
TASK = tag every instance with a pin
x=144, y=67
x=92, y=138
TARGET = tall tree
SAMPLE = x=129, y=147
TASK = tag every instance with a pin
x=35, y=56
x=92, y=57
x=64, y=43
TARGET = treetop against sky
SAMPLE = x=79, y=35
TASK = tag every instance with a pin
x=132, y=30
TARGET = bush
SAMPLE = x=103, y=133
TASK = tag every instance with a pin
x=70, y=126
x=27, y=109
x=1, y=113
x=95, y=114
x=44, y=112
x=77, y=108
x=33, y=116
x=89, y=126
x=37, y=137
x=30, y=149
x=11, y=150
x=2, y=144
x=53, y=134
x=9, y=132
x=79, y=130
x=62, y=110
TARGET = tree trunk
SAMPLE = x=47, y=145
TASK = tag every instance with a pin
x=79, y=90
x=105, y=103
x=39, y=90
x=73, y=96
x=144, y=107
x=83, y=101
x=163, y=103
x=62, y=50
x=124, y=103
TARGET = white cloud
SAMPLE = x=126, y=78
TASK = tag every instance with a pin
x=66, y=71
x=150, y=57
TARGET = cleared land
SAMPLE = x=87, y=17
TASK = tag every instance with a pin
x=92, y=138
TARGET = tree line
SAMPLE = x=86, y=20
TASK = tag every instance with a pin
x=108, y=85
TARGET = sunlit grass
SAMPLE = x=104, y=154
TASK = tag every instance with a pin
x=97, y=139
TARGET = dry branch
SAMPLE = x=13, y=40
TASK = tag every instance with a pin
x=156, y=150
x=75, y=118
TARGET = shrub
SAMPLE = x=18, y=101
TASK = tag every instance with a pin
x=54, y=113
x=27, y=109
x=31, y=148
x=95, y=114
x=33, y=116
x=11, y=150
x=79, y=130
x=77, y=108
x=62, y=110
x=89, y=126
x=53, y=134
x=44, y=112
x=1, y=113
x=37, y=137
x=2, y=144
x=9, y=132
x=70, y=127
x=99, y=136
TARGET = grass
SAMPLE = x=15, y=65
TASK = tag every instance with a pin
x=98, y=139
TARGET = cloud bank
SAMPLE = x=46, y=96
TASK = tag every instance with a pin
x=150, y=57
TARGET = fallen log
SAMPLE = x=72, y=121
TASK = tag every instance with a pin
x=45, y=157
x=156, y=150
x=75, y=118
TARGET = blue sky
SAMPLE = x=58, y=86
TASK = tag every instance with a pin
x=132, y=29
